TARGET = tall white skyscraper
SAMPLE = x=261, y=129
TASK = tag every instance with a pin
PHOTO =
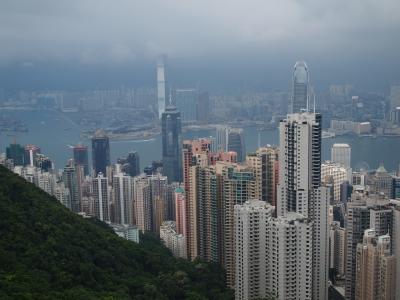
x=341, y=154
x=291, y=258
x=251, y=247
x=161, y=85
x=273, y=256
x=123, y=198
x=299, y=189
x=101, y=194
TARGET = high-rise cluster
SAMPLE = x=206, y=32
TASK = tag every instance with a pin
x=280, y=221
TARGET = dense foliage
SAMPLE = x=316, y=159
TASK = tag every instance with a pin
x=47, y=252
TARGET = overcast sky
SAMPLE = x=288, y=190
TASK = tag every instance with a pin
x=327, y=33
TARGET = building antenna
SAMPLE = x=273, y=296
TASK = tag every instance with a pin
x=314, y=103
x=170, y=96
x=259, y=140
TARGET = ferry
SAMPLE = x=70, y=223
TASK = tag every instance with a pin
x=328, y=134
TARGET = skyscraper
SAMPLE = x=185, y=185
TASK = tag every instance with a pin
x=264, y=163
x=341, y=154
x=159, y=194
x=363, y=212
x=81, y=157
x=222, y=138
x=251, y=246
x=236, y=143
x=396, y=243
x=131, y=164
x=376, y=268
x=70, y=179
x=47, y=182
x=300, y=88
x=180, y=211
x=237, y=188
x=171, y=144
x=100, y=152
x=337, y=247
x=273, y=256
x=62, y=194
x=123, y=197
x=381, y=182
x=43, y=162
x=101, y=195
x=336, y=174
x=142, y=203
x=290, y=258
x=186, y=102
x=203, y=107
x=30, y=155
x=17, y=153
x=191, y=149
x=299, y=188
x=204, y=173
x=161, y=85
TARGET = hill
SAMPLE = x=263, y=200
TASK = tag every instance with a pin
x=48, y=252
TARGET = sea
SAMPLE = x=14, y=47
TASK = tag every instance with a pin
x=55, y=133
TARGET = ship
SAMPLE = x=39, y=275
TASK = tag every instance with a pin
x=328, y=134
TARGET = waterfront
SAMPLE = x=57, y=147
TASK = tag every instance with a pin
x=54, y=132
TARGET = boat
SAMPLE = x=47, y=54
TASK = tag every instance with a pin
x=327, y=134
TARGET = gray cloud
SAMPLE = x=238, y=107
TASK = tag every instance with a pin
x=123, y=31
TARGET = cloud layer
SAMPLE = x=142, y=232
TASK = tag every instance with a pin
x=105, y=31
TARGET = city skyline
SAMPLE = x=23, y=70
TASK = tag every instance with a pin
x=281, y=221
x=235, y=150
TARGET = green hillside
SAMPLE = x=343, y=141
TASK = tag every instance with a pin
x=47, y=252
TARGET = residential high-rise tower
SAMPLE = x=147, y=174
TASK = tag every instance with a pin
x=299, y=189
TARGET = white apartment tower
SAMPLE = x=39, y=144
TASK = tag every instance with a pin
x=250, y=229
x=290, y=259
x=101, y=194
x=299, y=189
x=123, y=196
x=273, y=256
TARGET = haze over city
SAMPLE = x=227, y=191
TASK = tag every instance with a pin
x=239, y=44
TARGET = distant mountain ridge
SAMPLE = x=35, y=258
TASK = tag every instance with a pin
x=48, y=252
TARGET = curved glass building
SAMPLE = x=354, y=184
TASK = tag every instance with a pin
x=299, y=99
